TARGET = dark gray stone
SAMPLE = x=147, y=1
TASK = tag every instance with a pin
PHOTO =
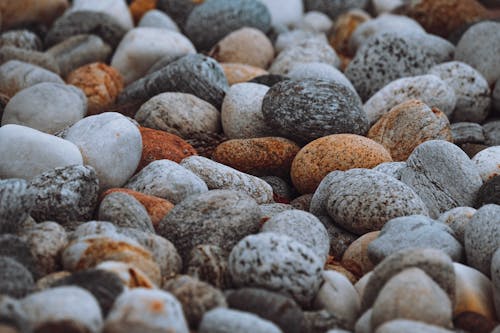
x=125, y=211
x=467, y=133
x=15, y=280
x=340, y=239
x=18, y=249
x=495, y=279
x=489, y=193
x=269, y=79
x=178, y=10
x=492, y=133
x=282, y=190
x=16, y=201
x=333, y=8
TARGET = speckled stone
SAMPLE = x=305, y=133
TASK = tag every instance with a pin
x=65, y=194
x=302, y=202
x=278, y=263
x=214, y=19
x=17, y=248
x=343, y=28
x=270, y=210
x=209, y=263
x=19, y=75
x=391, y=168
x=193, y=74
x=180, y=114
x=167, y=179
x=248, y=46
x=334, y=152
x=492, y=133
x=319, y=71
x=16, y=201
x=222, y=320
x=178, y=10
x=466, y=132
x=218, y=217
x=457, y=219
x=100, y=83
x=16, y=281
x=23, y=39
x=196, y=297
x=157, y=19
x=336, y=109
x=36, y=58
x=219, y=176
x=333, y=8
x=32, y=11
x=414, y=231
x=357, y=253
x=488, y=193
x=441, y=188
x=488, y=162
x=125, y=211
x=340, y=239
x=407, y=125
x=482, y=237
x=283, y=191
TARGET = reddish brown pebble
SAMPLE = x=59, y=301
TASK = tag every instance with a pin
x=334, y=152
x=100, y=83
x=344, y=26
x=19, y=12
x=237, y=73
x=160, y=145
x=258, y=156
x=140, y=7
x=357, y=253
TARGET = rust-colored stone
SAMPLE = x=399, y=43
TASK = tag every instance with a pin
x=140, y=7
x=341, y=31
x=160, y=145
x=357, y=252
x=258, y=156
x=351, y=272
x=237, y=73
x=334, y=152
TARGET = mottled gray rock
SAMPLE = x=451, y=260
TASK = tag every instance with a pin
x=465, y=132
x=333, y=8
x=13, y=315
x=278, y=263
x=178, y=10
x=487, y=162
x=340, y=239
x=319, y=71
x=281, y=187
x=167, y=179
x=18, y=249
x=218, y=217
x=65, y=194
x=272, y=306
x=309, y=109
x=495, y=277
x=209, y=263
x=320, y=321
x=214, y=19
x=192, y=74
x=222, y=320
x=157, y=19
x=414, y=231
x=441, y=187
x=83, y=22
x=429, y=89
x=180, y=114
x=23, y=39
x=489, y=193
x=482, y=237
x=495, y=97
x=391, y=168
x=471, y=89
x=320, y=196
x=457, y=219
x=40, y=59
x=480, y=48
x=412, y=294
x=268, y=79
x=410, y=326
x=125, y=211
x=492, y=133
x=303, y=227
x=273, y=209
x=15, y=280
x=48, y=107
x=288, y=38
x=16, y=201
x=18, y=75
x=218, y=176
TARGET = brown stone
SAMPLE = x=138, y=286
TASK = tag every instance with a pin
x=100, y=83
x=140, y=7
x=352, y=273
x=237, y=73
x=19, y=12
x=334, y=152
x=341, y=31
x=473, y=323
x=258, y=156
x=357, y=252
x=160, y=145
x=408, y=125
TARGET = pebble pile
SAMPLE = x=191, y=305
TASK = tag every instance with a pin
x=250, y=166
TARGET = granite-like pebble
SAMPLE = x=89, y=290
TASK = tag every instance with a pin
x=130, y=275
x=125, y=211
x=20, y=250
x=15, y=279
x=457, y=219
x=209, y=263
x=488, y=162
x=222, y=320
x=319, y=71
x=24, y=39
x=391, y=168
x=16, y=201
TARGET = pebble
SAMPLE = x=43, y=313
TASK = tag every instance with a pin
x=178, y=10
x=284, y=12
x=48, y=107
x=488, y=162
x=214, y=19
x=217, y=217
x=272, y=209
x=209, y=263
x=259, y=156
x=45, y=152
x=315, y=21
x=124, y=210
x=334, y=152
x=364, y=325
x=219, y=176
x=239, y=73
x=495, y=276
x=247, y=46
x=287, y=107
x=157, y=19
x=16, y=202
x=466, y=132
x=357, y=253
x=409, y=326
x=492, y=133
x=222, y=320
x=141, y=47
x=54, y=309
x=115, y=8
x=24, y=39
x=268, y=79
x=146, y=310
x=407, y=125
x=495, y=96
x=442, y=188
x=196, y=297
x=278, y=263
x=100, y=83
x=457, y=219
x=482, y=238
x=14, y=317
x=302, y=202
x=168, y=180
x=488, y=193
x=414, y=231
x=343, y=29
x=320, y=321
x=16, y=280
x=32, y=11
x=333, y=8
x=392, y=169
x=130, y=275
x=287, y=38
x=18, y=249
x=471, y=89
x=40, y=59
x=111, y=144
x=19, y=75
x=241, y=112
x=320, y=71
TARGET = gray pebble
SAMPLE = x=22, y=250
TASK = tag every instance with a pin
x=17, y=248
x=178, y=10
x=319, y=71
x=16, y=201
x=489, y=193
x=495, y=277
x=15, y=280
x=442, y=175
x=340, y=239
x=482, y=237
x=222, y=320
x=65, y=194
x=495, y=96
x=414, y=231
x=288, y=38
x=457, y=219
x=125, y=211
x=23, y=39
x=209, y=263
x=492, y=133
x=278, y=263
x=281, y=187
x=467, y=133
x=410, y=326
x=273, y=209
x=218, y=217
x=333, y=8
x=391, y=168
x=302, y=202
x=36, y=58
x=13, y=315
x=320, y=321
x=157, y=19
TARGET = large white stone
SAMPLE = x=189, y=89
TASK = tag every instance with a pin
x=26, y=152
x=116, y=8
x=48, y=107
x=284, y=12
x=111, y=143
x=142, y=47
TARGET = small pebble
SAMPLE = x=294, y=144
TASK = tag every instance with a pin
x=157, y=19
x=37, y=58
x=320, y=71
x=239, y=73
x=283, y=191
x=343, y=29
x=222, y=320
x=23, y=39
x=302, y=202
x=16, y=202
x=269, y=79
x=465, y=132
x=333, y=8
x=209, y=263
x=116, y=8
x=178, y=10
x=20, y=250
x=457, y=219
x=287, y=38
x=357, y=252
x=315, y=21
x=489, y=193
x=492, y=133
x=13, y=316
x=284, y=12
x=16, y=280
x=124, y=210
x=488, y=162
x=320, y=321
x=391, y=168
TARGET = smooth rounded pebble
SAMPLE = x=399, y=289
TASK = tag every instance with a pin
x=457, y=219
x=284, y=11
x=222, y=320
x=414, y=231
x=155, y=18
x=37, y=58
x=334, y=152
x=409, y=326
x=442, y=188
x=16, y=201
x=15, y=279
x=488, y=193
x=115, y=8
x=315, y=21
x=357, y=253
x=285, y=39
x=488, y=162
x=343, y=28
x=492, y=133
x=278, y=263
x=125, y=211
x=110, y=143
x=319, y=71
x=47, y=107
x=30, y=11
x=209, y=263
x=391, y=168
x=24, y=39
x=239, y=73
x=180, y=114
x=130, y=275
